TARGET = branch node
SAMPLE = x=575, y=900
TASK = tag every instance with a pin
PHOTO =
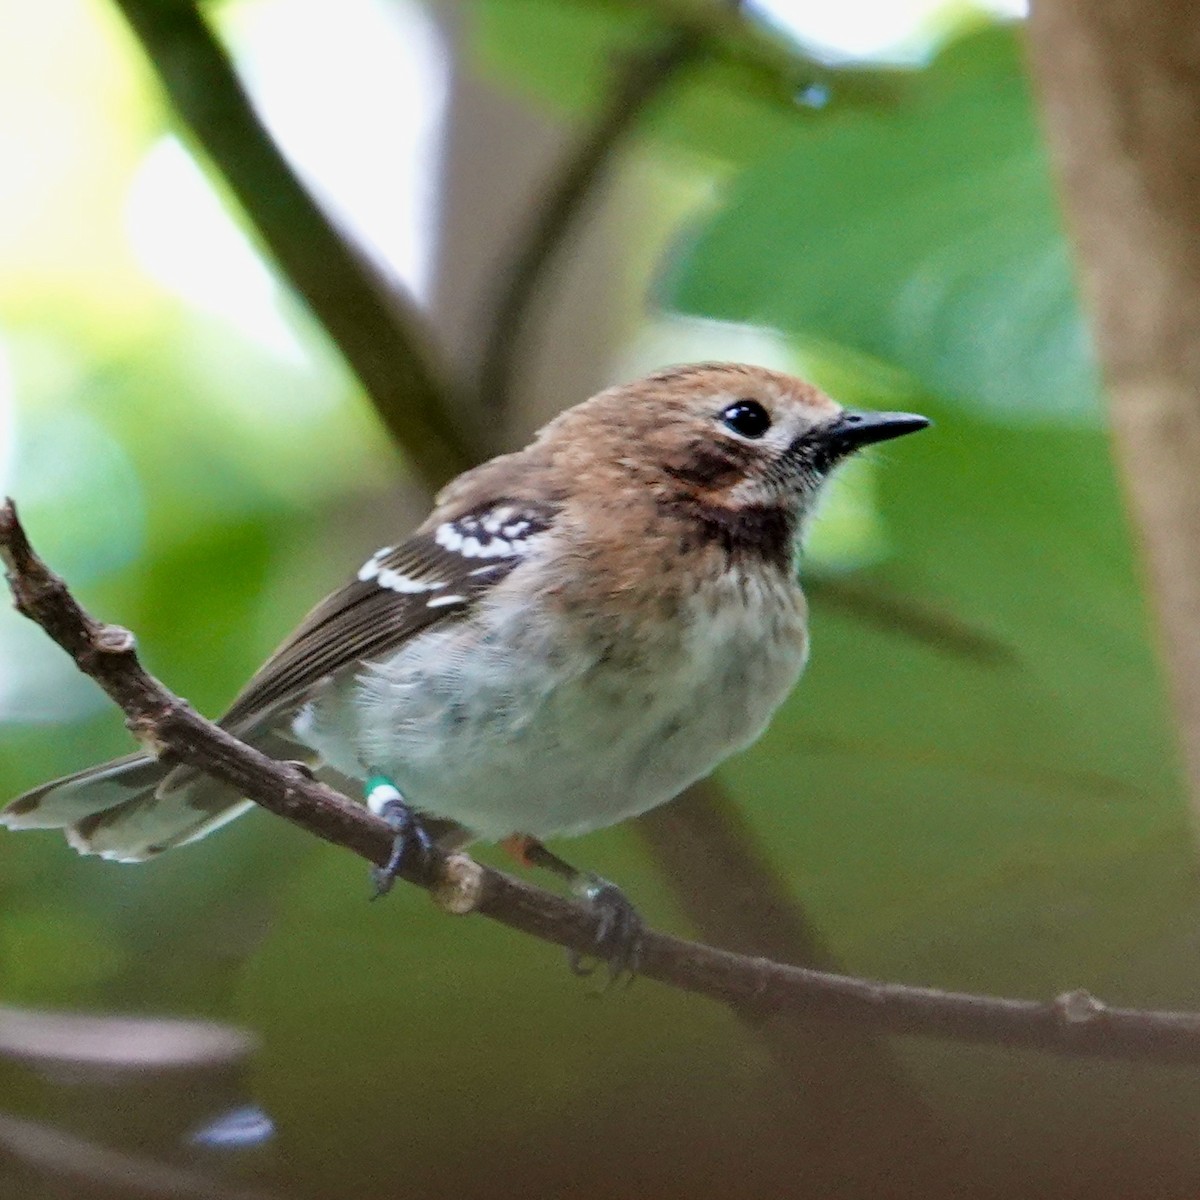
x=459, y=888
x=9, y=530
x=1078, y=1007
x=112, y=639
x=147, y=733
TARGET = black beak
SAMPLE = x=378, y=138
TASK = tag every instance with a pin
x=854, y=429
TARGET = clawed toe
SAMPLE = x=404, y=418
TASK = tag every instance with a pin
x=619, y=932
x=412, y=845
x=619, y=929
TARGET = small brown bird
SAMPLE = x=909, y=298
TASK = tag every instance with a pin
x=576, y=633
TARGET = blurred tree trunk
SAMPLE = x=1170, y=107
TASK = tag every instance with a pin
x=1120, y=91
x=498, y=150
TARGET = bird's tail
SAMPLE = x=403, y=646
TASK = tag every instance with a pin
x=132, y=808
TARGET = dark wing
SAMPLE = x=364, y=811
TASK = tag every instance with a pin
x=433, y=577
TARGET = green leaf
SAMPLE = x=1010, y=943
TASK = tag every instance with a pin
x=1010, y=827
x=927, y=237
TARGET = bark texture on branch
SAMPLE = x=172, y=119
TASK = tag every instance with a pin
x=1120, y=91
x=1074, y=1023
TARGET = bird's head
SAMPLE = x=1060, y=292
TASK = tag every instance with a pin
x=727, y=435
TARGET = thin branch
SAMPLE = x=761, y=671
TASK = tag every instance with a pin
x=377, y=328
x=1074, y=1023
x=562, y=200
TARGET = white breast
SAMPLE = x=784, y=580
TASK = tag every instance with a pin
x=510, y=724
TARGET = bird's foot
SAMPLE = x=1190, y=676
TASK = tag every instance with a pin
x=619, y=931
x=412, y=843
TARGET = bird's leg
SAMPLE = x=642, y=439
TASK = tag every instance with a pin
x=384, y=800
x=619, y=934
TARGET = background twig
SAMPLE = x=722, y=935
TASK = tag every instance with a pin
x=561, y=200
x=376, y=326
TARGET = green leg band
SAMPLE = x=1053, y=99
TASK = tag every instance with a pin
x=379, y=791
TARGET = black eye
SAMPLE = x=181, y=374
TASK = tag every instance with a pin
x=747, y=417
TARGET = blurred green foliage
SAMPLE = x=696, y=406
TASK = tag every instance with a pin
x=735, y=107
x=1012, y=827
x=926, y=236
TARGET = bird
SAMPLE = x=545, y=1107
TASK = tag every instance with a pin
x=577, y=632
